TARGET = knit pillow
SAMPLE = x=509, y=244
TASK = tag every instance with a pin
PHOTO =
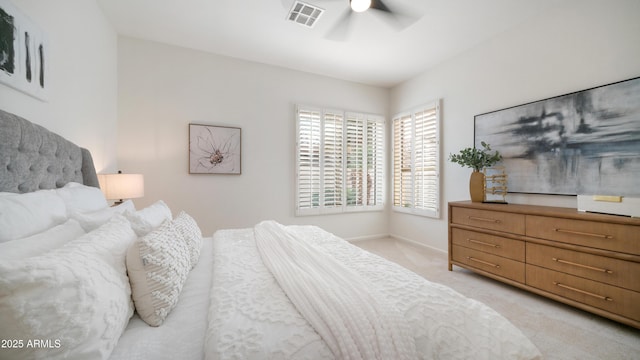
x=158, y=264
x=192, y=235
x=76, y=296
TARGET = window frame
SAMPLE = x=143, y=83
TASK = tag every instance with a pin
x=432, y=163
x=308, y=207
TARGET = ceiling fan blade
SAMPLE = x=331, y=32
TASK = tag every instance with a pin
x=340, y=30
x=379, y=5
x=399, y=18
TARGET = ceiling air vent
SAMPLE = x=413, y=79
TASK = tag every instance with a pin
x=304, y=14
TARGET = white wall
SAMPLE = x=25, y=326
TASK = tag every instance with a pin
x=163, y=88
x=82, y=104
x=579, y=45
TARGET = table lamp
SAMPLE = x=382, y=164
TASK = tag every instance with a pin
x=121, y=186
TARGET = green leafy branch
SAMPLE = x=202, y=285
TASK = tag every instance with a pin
x=475, y=158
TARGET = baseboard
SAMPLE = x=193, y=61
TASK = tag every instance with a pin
x=367, y=237
x=416, y=243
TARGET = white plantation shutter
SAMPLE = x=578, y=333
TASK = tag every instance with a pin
x=402, y=161
x=339, y=161
x=416, y=167
x=332, y=166
x=308, y=159
x=355, y=159
x=365, y=161
x=375, y=162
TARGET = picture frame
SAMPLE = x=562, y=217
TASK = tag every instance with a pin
x=23, y=53
x=586, y=142
x=215, y=149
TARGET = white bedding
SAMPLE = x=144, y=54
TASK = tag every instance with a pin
x=354, y=321
x=250, y=317
x=181, y=336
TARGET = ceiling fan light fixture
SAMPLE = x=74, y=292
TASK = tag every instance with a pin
x=360, y=5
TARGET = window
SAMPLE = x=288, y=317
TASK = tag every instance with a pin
x=416, y=166
x=339, y=161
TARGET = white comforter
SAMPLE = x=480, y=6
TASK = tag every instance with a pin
x=343, y=308
x=251, y=317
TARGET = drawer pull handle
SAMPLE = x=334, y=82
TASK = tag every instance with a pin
x=583, y=233
x=483, y=243
x=483, y=262
x=484, y=219
x=583, y=266
x=583, y=292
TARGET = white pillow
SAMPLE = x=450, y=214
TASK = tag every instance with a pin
x=77, y=297
x=81, y=198
x=149, y=218
x=23, y=215
x=42, y=242
x=158, y=265
x=94, y=219
x=191, y=234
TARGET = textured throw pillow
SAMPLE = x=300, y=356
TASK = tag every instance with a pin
x=81, y=198
x=23, y=215
x=94, y=219
x=149, y=218
x=42, y=242
x=191, y=234
x=76, y=298
x=158, y=265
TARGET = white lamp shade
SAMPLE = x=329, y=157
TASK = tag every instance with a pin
x=122, y=186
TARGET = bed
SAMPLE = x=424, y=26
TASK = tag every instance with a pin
x=80, y=279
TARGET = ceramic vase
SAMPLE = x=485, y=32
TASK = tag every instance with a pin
x=476, y=186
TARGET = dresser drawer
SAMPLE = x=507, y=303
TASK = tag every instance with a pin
x=497, y=265
x=607, y=236
x=621, y=273
x=487, y=219
x=497, y=245
x=602, y=296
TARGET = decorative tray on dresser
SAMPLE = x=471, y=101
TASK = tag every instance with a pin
x=590, y=261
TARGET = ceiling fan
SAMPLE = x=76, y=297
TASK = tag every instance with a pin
x=394, y=14
x=364, y=5
x=397, y=17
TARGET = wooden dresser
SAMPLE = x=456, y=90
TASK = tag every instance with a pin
x=590, y=261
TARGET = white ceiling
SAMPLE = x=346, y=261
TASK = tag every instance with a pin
x=374, y=52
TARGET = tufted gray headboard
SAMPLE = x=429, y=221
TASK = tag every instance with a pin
x=34, y=158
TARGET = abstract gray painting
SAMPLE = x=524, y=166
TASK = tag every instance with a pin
x=586, y=142
x=23, y=53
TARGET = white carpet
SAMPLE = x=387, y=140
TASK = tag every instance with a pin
x=558, y=330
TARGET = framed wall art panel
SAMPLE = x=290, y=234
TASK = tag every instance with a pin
x=586, y=142
x=23, y=53
x=214, y=149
